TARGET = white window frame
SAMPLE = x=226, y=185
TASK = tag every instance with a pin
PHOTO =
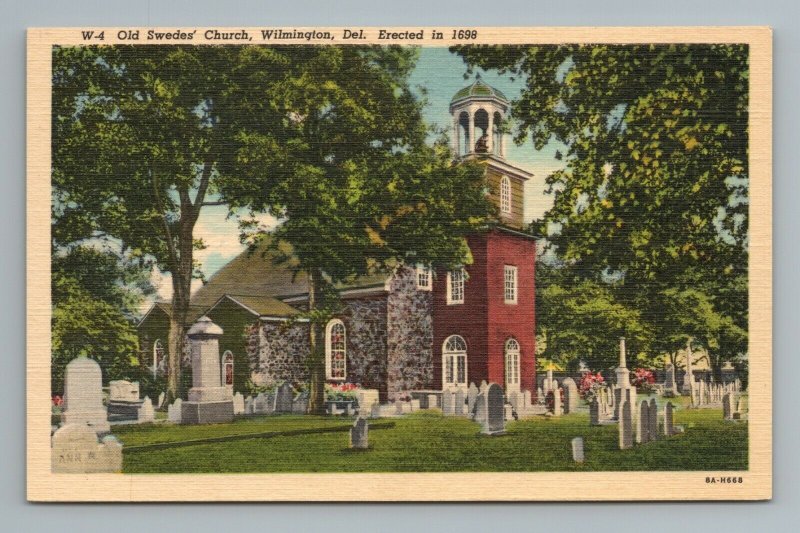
x=329, y=350
x=454, y=362
x=424, y=277
x=224, y=364
x=454, y=295
x=512, y=353
x=510, y=284
x=505, y=194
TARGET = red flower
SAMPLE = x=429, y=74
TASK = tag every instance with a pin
x=57, y=400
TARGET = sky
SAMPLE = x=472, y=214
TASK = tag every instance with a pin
x=442, y=74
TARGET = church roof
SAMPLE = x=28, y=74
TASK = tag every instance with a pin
x=256, y=279
x=478, y=89
x=260, y=305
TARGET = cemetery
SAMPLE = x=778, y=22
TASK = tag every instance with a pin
x=482, y=428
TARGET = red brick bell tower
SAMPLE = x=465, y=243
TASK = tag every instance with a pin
x=484, y=315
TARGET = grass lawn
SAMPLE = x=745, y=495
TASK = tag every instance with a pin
x=427, y=442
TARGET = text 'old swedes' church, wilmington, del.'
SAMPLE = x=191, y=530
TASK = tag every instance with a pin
x=410, y=329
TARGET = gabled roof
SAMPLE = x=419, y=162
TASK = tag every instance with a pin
x=261, y=306
x=255, y=279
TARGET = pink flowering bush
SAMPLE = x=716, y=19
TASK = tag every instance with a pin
x=643, y=379
x=57, y=400
x=589, y=385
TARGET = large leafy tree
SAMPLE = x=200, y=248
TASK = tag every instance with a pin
x=339, y=154
x=328, y=139
x=654, y=139
x=137, y=135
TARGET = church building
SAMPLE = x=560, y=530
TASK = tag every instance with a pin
x=411, y=329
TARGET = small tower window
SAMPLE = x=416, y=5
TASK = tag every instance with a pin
x=510, y=284
x=455, y=287
x=505, y=194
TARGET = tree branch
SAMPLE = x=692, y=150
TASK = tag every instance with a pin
x=173, y=256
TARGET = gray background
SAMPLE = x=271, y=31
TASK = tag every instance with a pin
x=17, y=515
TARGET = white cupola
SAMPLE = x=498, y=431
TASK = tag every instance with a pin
x=478, y=112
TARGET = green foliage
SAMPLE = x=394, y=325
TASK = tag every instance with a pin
x=94, y=295
x=653, y=195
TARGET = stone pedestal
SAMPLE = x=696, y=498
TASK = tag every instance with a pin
x=210, y=401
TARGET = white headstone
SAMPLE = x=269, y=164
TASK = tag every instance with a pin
x=161, y=398
x=146, y=412
x=120, y=390
x=577, y=450
x=558, y=406
x=448, y=403
x=75, y=449
x=642, y=424
x=238, y=404
x=652, y=420
x=668, y=420
x=514, y=400
x=570, y=395
x=594, y=412
x=83, y=395
x=375, y=410
x=495, y=411
x=472, y=395
x=460, y=399
x=174, y=411
x=433, y=401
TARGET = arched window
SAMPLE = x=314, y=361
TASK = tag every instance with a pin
x=454, y=362
x=512, y=364
x=335, y=350
x=505, y=194
x=227, y=368
x=158, y=356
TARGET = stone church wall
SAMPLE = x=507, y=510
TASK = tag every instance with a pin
x=277, y=353
x=365, y=321
x=410, y=335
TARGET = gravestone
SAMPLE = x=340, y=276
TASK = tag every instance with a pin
x=558, y=406
x=359, y=434
x=570, y=395
x=415, y=404
x=460, y=405
x=652, y=420
x=594, y=412
x=513, y=399
x=398, y=407
x=448, y=403
x=300, y=403
x=540, y=396
x=174, y=411
x=75, y=450
x=375, y=410
x=122, y=390
x=688, y=377
x=161, y=398
x=495, y=411
x=249, y=406
x=366, y=397
x=83, y=395
x=625, y=426
x=727, y=406
x=547, y=384
x=238, y=404
x=210, y=400
x=577, y=450
x=472, y=395
x=146, y=412
x=643, y=424
x=670, y=385
x=433, y=401
x=526, y=400
x=668, y=420
x=741, y=406
x=283, y=398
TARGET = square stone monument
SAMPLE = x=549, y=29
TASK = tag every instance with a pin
x=210, y=400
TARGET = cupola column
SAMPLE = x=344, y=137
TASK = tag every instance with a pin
x=456, y=135
x=490, y=135
x=471, y=131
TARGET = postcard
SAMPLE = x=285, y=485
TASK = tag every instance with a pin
x=399, y=264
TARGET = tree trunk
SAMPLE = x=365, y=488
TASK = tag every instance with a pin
x=181, y=292
x=316, y=401
x=716, y=367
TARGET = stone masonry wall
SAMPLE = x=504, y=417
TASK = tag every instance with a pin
x=410, y=334
x=277, y=353
x=365, y=321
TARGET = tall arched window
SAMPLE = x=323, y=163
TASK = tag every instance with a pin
x=336, y=350
x=227, y=368
x=454, y=362
x=505, y=194
x=512, y=364
x=158, y=356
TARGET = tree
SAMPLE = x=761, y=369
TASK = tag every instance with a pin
x=655, y=144
x=136, y=137
x=94, y=297
x=338, y=153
